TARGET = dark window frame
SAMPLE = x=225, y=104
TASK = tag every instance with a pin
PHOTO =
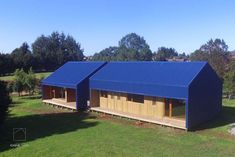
x=118, y=96
x=112, y=95
x=104, y=94
x=154, y=101
x=135, y=98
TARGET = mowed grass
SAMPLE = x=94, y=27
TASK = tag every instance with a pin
x=38, y=76
x=56, y=132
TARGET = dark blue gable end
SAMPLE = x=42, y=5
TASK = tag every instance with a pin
x=205, y=97
x=83, y=92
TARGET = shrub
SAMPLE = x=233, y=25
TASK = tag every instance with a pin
x=5, y=100
x=24, y=81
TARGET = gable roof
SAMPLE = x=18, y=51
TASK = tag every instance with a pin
x=168, y=79
x=72, y=73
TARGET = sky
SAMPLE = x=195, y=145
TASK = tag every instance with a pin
x=97, y=24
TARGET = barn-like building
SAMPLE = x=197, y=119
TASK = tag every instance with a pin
x=68, y=86
x=177, y=94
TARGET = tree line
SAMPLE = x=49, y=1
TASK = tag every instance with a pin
x=47, y=53
x=133, y=47
x=215, y=52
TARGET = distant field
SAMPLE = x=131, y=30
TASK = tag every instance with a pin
x=38, y=75
x=55, y=132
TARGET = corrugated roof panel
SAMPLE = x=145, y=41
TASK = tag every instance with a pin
x=169, y=79
x=71, y=74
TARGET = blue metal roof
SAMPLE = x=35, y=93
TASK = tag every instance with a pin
x=167, y=79
x=71, y=74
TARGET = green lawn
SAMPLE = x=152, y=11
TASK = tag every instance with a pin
x=56, y=132
x=38, y=75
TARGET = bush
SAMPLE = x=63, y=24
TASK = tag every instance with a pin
x=30, y=82
x=5, y=100
x=229, y=80
x=19, y=81
x=24, y=81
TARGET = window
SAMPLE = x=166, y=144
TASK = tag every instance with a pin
x=138, y=98
x=112, y=95
x=157, y=99
x=103, y=94
x=118, y=96
x=135, y=98
x=154, y=101
x=129, y=97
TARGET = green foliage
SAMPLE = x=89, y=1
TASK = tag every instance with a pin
x=19, y=81
x=48, y=53
x=24, y=81
x=22, y=57
x=164, y=53
x=131, y=47
x=6, y=64
x=38, y=76
x=54, y=50
x=229, y=80
x=5, y=100
x=30, y=81
x=216, y=53
x=107, y=54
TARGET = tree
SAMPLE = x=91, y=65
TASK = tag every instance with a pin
x=19, y=81
x=22, y=57
x=216, y=53
x=4, y=101
x=24, y=81
x=40, y=52
x=229, y=80
x=164, y=53
x=107, y=54
x=56, y=49
x=6, y=64
x=133, y=47
x=30, y=81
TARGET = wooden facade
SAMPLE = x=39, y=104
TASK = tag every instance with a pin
x=64, y=94
x=143, y=106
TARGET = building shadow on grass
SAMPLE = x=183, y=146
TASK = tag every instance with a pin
x=13, y=103
x=44, y=125
x=32, y=97
x=226, y=117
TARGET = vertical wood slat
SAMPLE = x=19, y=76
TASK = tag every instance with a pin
x=170, y=109
x=66, y=95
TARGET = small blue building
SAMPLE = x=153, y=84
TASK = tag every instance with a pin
x=68, y=86
x=178, y=94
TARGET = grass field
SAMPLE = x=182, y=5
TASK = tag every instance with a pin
x=56, y=132
x=38, y=75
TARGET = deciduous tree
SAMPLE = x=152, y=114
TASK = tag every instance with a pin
x=164, y=53
x=216, y=53
x=229, y=80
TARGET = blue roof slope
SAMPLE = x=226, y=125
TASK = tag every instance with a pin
x=71, y=74
x=168, y=79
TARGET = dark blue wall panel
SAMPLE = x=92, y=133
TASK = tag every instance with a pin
x=205, y=97
x=83, y=90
